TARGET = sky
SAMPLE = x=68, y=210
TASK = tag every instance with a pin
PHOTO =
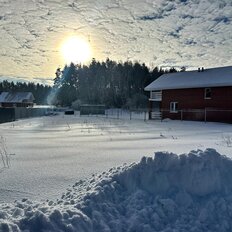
x=174, y=33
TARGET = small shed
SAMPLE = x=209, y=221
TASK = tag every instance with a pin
x=16, y=99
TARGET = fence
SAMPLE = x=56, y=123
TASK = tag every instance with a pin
x=141, y=114
x=92, y=109
x=7, y=115
x=12, y=114
x=207, y=115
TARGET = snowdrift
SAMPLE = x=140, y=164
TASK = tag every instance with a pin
x=189, y=192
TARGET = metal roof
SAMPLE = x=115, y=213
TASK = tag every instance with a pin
x=17, y=97
x=214, y=77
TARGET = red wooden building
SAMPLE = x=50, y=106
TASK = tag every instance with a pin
x=204, y=95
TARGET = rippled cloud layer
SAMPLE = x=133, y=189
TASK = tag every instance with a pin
x=164, y=33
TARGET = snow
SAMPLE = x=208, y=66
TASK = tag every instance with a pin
x=214, y=77
x=189, y=192
x=59, y=179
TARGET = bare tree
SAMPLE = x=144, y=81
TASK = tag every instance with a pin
x=4, y=154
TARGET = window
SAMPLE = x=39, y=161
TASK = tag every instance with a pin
x=173, y=107
x=208, y=93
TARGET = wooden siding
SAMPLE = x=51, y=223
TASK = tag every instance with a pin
x=193, y=104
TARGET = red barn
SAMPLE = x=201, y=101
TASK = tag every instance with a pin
x=204, y=95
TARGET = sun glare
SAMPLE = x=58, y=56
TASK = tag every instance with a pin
x=76, y=50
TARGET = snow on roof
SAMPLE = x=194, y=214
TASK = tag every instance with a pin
x=18, y=97
x=214, y=77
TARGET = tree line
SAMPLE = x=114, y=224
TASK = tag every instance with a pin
x=114, y=84
x=109, y=83
x=40, y=92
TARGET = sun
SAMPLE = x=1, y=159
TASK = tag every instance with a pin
x=76, y=50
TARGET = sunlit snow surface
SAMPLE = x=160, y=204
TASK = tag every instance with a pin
x=79, y=156
x=190, y=192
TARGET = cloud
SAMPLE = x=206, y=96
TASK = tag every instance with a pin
x=177, y=33
x=222, y=19
x=44, y=80
x=152, y=16
x=14, y=79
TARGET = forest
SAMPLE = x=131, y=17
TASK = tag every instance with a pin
x=109, y=83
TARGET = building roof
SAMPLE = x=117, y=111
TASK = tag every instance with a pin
x=18, y=97
x=214, y=77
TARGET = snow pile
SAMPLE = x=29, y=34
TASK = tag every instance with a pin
x=189, y=192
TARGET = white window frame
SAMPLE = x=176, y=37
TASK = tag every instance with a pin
x=210, y=93
x=173, y=107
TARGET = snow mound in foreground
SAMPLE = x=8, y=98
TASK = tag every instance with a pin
x=189, y=192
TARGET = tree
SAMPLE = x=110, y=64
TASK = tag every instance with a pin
x=108, y=82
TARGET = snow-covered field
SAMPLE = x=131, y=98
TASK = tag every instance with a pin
x=79, y=156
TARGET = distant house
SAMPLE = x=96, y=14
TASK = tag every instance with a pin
x=204, y=95
x=16, y=99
